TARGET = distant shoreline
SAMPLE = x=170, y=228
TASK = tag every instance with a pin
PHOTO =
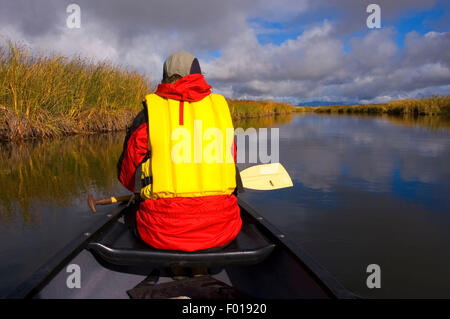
x=437, y=105
x=52, y=96
x=45, y=96
x=16, y=127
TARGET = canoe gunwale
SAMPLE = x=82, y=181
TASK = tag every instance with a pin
x=45, y=273
x=31, y=287
x=334, y=288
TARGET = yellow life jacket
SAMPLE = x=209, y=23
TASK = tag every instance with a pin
x=190, y=148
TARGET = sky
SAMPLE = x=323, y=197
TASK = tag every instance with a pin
x=295, y=51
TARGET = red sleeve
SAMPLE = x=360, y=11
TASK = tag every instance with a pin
x=134, y=151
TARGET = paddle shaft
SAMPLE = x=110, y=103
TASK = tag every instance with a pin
x=113, y=199
x=259, y=177
x=106, y=201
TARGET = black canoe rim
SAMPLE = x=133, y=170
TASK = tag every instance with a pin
x=54, y=265
x=322, y=276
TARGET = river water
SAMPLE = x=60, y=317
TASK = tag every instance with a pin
x=367, y=190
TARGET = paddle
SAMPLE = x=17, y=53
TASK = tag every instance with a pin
x=258, y=177
x=266, y=177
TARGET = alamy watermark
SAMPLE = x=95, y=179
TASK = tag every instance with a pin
x=74, y=278
x=374, y=279
x=374, y=19
x=206, y=146
x=73, y=21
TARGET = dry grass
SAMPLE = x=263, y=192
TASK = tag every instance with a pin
x=46, y=96
x=436, y=105
x=242, y=109
x=42, y=96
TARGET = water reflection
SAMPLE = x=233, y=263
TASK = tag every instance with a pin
x=427, y=122
x=60, y=172
x=265, y=121
x=44, y=186
x=371, y=150
x=366, y=190
x=56, y=172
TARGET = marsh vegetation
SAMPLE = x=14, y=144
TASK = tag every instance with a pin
x=49, y=95
x=436, y=105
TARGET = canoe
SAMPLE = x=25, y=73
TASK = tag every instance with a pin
x=260, y=263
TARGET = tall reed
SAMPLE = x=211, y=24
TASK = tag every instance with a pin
x=55, y=95
x=241, y=109
x=435, y=105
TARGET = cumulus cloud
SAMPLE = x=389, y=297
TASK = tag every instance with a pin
x=319, y=63
x=314, y=65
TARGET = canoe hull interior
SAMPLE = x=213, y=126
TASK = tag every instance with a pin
x=281, y=271
x=277, y=277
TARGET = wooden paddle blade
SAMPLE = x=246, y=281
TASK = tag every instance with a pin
x=266, y=177
x=91, y=203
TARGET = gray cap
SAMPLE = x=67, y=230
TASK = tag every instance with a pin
x=181, y=63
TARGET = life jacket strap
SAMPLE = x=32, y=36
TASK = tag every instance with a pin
x=147, y=181
x=239, y=185
x=139, y=182
x=137, y=179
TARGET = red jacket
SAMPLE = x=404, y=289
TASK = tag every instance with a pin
x=187, y=224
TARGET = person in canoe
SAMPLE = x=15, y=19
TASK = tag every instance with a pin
x=176, y=155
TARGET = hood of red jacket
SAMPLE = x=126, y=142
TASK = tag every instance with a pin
x=191, y=88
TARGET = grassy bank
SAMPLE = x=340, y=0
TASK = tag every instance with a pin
x=42, y=96
x=52, y=95
x=242, y=109
x=438, y=105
